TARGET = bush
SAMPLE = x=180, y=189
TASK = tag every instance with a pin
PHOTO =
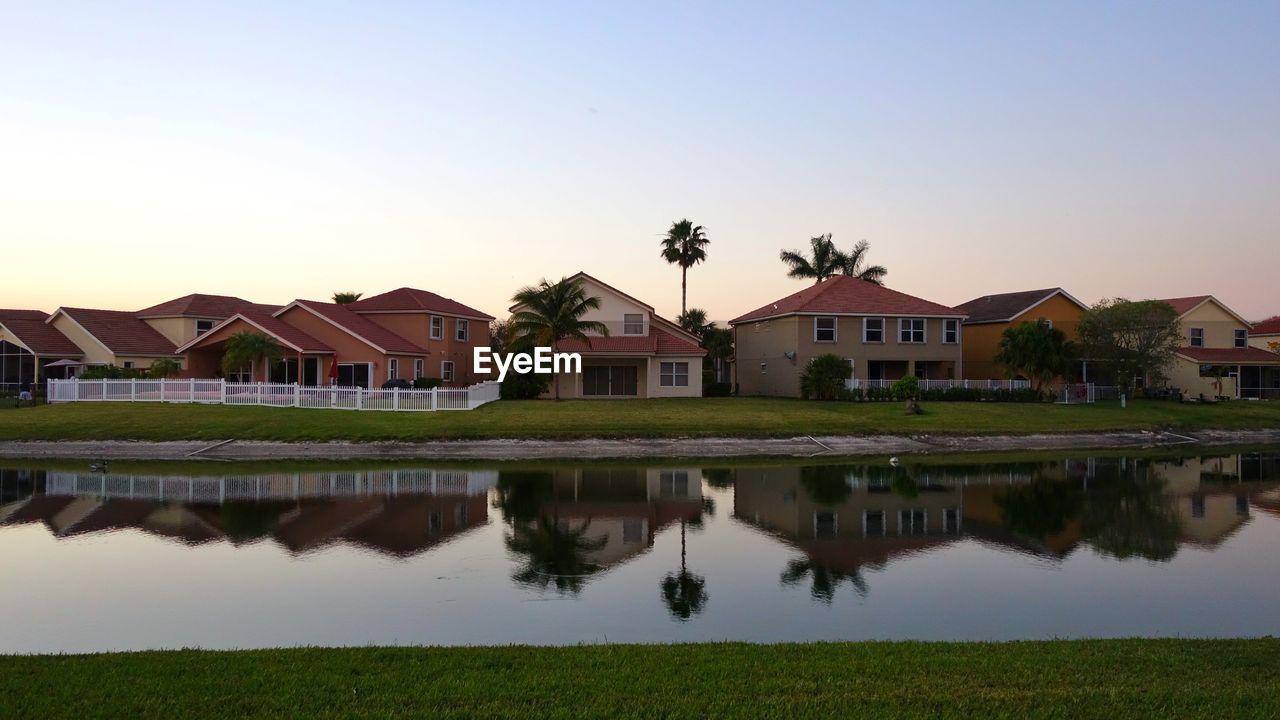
x=716, y=389
x=111, y=372
x=397, y=383
x=824, y=376
x=907, y=388
x=426, y=383
x=523, y=386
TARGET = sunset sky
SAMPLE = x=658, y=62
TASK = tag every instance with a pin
x=283, y=150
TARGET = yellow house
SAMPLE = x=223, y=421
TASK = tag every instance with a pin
x=1265, y=334
x=1217, y=350
x=991, y=315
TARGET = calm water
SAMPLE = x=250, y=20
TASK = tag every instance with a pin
x=1076, y=547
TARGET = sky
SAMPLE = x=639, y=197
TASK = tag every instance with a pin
x=282, y=150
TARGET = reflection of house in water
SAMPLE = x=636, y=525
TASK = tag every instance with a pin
x=396, y=512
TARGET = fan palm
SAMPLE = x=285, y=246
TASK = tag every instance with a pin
x=685, y=245
x=551, y=312
x=247, y=349
x=346, y=298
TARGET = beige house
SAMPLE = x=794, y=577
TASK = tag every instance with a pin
x=884, y=334
x=643, y=356
x=112, y=337
x=1217, y=344
x=1265, y=334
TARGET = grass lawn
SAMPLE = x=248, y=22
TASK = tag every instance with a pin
x=698, y=417
x=1069, y=679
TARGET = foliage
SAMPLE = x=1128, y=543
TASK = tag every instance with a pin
x=1038, y=351
x=111, y=372
x=1133, y=516
x=906, y=388
x=522, y=386
x=854, y=264
x=824, y=580
x=1131, y=338
x=684, y=592
x=685, y=244
x=694, y=321
x=556, y=554
x=426, y=383
x=823, y=377
x=826, y=484
x=825, y=260
x=1039, y=509
x=500, y=335
x=247, y=349
x=551, y=312
x=346, y=298
x=165, y=368
x=716, y=389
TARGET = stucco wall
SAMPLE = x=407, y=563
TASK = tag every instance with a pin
x=94, y=352
x=416, y=327
x=1218, y=325
x=981, y=342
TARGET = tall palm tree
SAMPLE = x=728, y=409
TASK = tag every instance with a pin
x=823, y=261
x=824, y=580
x=685, y=245
x=685, y=593
x=248, y=349
x=346, y=298
x=551, y=312
x=854, y=262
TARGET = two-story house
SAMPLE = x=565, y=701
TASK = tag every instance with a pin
x=1216, y=350
x=448, y=330
x=991, y=315
x=643, y=356
x=885, y=335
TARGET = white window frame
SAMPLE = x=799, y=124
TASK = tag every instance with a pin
x=127, y=364
x=924, y=331
x=924, y=520
x=208, y=326
x=671, y=378
x=1196, y=337
x=1240, y=337
x=393, y=368
x=461, y=330
x=950, y=326
x=437, y=327
x=417, y=368
x=446, y=370
x=628, y=324
x=835, y=522
x=835, y=328
x=884, y=525
x=865, y=329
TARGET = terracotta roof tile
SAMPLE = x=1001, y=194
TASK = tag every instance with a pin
x=657, y=342
x=122, y=332
x=285, y=332
x=411, y=300
x=843, y=295
x=29, y=327
x=1270, y=326
x=1183, y=304
x=1003, y=307
x=1249, y=355
x=199, y=305
x=363, y=328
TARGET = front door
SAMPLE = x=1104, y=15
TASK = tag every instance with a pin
x=311, y=371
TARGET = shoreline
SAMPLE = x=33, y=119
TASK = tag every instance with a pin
x=628, y=449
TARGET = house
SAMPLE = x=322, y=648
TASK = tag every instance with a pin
x=1265, y=334
x=1216, y=349
x=112, y=337
x=28, y=345
x=448, y=330
x=182, y=319
x=643, y=356
x=991, y=315
x=885, y=335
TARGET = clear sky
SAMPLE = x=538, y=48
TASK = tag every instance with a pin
x=282, y=150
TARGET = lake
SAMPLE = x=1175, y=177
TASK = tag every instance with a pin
x=219, y=555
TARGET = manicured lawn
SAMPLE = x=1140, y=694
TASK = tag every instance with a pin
x=1103, y=679
x=703, y=417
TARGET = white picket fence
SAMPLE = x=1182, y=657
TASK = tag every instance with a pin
x=856, y=384
x=221, y=392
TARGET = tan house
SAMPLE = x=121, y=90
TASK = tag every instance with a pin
x=643, y=356
x=27, y=347
x=991, y=315
x=1217, y=344
x=884, y=334
x=112, y=337
x=183, y=319
x=1265, y=334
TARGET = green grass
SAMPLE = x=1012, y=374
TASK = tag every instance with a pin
x=698, y=417
x=1112, y=679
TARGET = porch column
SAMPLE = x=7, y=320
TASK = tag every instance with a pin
x=1240, y=379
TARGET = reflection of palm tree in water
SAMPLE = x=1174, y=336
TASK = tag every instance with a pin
x=825, y=579
x=556, y=554
x=685, y=593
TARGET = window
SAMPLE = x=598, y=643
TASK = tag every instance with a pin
x=417, y=368
x=632, y=530
x=1197, y=337
x=764, y=368
x=461, y=330
x=951, y=521
x=354, y=374
x=437, y=327
x=1242, y=504
x=825, y=524
x=911, y=330
x=393, y=369
x=434, y=522
x=673, y=374
x=128, y=364
x=1241, y=337
x=911, y=522
x=633, y=324
x=1046, y=322
x=673, y=483
x=873, y=522
x=203, y=326
x=872, y=330
x=951, y=331
x=446, y=370
x=824, y=329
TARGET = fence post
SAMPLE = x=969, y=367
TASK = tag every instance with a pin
x=133, y=390
x=222, y=391
x=297, y=395
x=191, y=390
x=359, y=398
x=395, y=398
x=433, y=398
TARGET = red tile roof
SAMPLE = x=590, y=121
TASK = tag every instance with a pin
x=1230, y=356
x=285, y=333
x=1270, y=326
x=414, y=300
x=362, y=328
x=1183, y=305
x=29, y=328
x=657, y=342
x=203, y=306
x=122, y=332
x=1004, y=307
x=842, y=295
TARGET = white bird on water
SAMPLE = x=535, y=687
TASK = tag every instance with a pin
x=893, y=460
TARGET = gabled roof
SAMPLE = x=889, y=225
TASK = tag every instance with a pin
x=283, y=333
x=671, y=327
x=658, y=342
x=361, y=328
x=121, y=332
x=1184, y=305
x=197, y=305
x=843, y=295
x=28, y=328
x=1270, y=326
x=1230, y=356
x=413, y=300
x=1005, y=307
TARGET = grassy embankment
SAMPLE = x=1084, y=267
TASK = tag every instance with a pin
x=1112, y=679
x=701, y=417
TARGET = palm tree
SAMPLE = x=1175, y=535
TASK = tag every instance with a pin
x=551, y=312
x=685, y=593
x=694, y=320
x=824, y=580
x=685, y=245
x=346, y=298
x=1037, y=350
x=824, y=260
x=165, y=368
x=556, y=554
x=248, y=349
x=853, y=264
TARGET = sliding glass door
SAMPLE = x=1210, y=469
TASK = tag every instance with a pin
x=610, y=380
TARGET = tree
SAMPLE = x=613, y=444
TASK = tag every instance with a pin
x=1037, y=350
x=247, y=349
x=718, y=342
x=825, y=579
x=551, y=312
x=165, y=368
x=685, y=245
x=346, y=298
x=1131, y=338
x=823, y=378
x=556, y=553
x=825, y=260
x=853, y=265
x=694, y=321
x=684, y=592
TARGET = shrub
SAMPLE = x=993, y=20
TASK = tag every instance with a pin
x=426, y=383
x=908, y=388
x=824, y=377
x=523, y=386
x=717, y=389
x=111, y=372
x=394, y=383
